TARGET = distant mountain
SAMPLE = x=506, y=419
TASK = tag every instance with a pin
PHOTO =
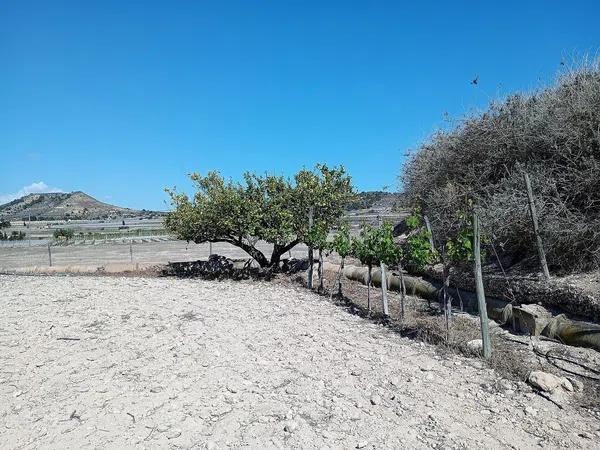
x=376, y=200
x=60, y=206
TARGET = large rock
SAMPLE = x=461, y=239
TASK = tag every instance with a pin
x=544, y=381
x=531, y=319
x=475, y=346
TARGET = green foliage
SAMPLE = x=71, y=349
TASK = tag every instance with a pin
x=417, y=250
x=268, y=207
x=459, y=248
x=4, y=224
x=63, y=233
x=342, y=243
x=316, y=237
x=13, y=236
x=363, y=246
x=376, y=245
x=386, y=249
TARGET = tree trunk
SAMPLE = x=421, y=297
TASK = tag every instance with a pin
x=255, y=253
x=279, y=250
x=260, y=258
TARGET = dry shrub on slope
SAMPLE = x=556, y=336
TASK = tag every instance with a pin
x=554, y=135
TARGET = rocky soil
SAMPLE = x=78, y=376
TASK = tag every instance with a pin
x=91, y=362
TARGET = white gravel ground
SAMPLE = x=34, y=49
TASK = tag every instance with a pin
x=166, y=363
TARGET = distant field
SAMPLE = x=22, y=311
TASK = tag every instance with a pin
x=107, y=242
x=43, y=230
x=150, y=251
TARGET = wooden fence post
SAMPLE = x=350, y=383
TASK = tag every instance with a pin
x=320, y=272
x=49, y=255
x=130, y=250
x=536, y=230
x=384, y=296
x=310, y=249
x=428, y=225
x=483, y=317
x=402, y=290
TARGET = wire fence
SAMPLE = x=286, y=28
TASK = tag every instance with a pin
x=140, y=251
x=111, y=243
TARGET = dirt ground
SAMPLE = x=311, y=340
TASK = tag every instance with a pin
x=96, y=362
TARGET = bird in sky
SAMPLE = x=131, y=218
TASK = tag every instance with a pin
x=475, y=80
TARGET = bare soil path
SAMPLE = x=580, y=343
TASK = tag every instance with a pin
x=96, y=362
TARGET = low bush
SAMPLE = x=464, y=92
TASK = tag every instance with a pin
x=63, y=233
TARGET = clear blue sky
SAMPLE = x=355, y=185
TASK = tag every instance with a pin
x=121, y=98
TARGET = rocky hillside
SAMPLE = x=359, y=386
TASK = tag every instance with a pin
x=377, y=200
x=58, y=206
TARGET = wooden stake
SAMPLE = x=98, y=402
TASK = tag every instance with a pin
x=428, y=225
x=536, y=230
x=320, y=272
x=483, y=317
x=49, y=255
x=402, y=291
x=384, y=296
x=369, y=290
x=130, y=251
x=340, y=273
x=310, y=249
x=447, y=299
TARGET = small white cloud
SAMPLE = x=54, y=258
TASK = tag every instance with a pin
x=33, y=188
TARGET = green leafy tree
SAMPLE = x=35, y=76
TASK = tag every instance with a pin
x=268, y=207
x=364, y=247
x=454, y=248
x=63, y=233
x=316, y=238
x=386, y=249
x=13, y=236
